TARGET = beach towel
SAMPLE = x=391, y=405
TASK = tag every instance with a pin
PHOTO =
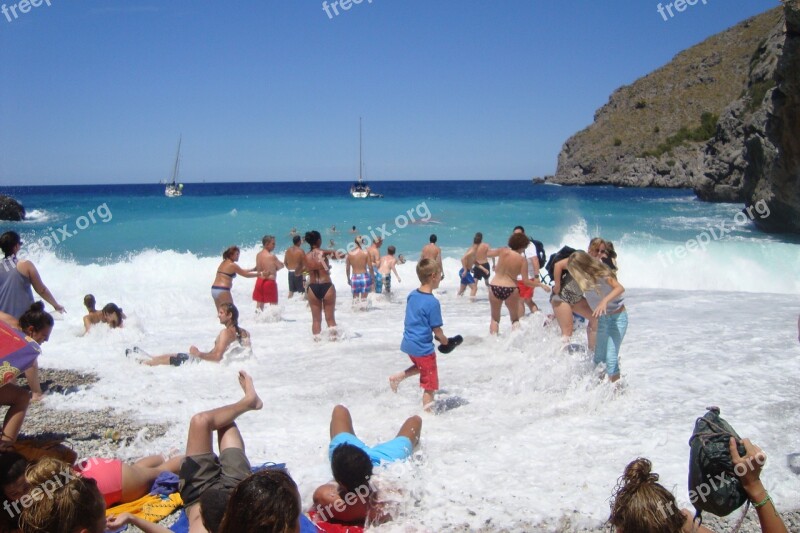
x=306, y=525
x=152, y=508
x=17, y=353
x=328, y=527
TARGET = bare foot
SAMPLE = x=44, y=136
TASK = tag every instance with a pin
x=250, y=394
x=395, y=379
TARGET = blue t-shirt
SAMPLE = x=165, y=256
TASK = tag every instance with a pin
x=423, y=314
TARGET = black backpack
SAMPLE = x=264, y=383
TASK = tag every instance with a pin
x=563, y=253
x=712, y=479
x=540, y=253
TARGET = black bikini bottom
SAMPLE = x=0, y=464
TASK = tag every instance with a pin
x=320, y=289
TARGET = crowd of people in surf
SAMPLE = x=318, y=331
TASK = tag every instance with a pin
x=221, y=491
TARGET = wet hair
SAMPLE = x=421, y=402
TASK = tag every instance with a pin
x=213, y=502
x=73, y=505
x=230, y=252
x=296, y=239
x=610, y=251
x=90, y=303
x=234, y=312
x=8, y=241
x=520, y=228
x=433, y=238
x=391, y=250
x=266, y=239
x=359, y=240
x=313, y=237
x=266, y=502
x=587, y=270
x=641, y=504
x=36, y=317
x=595, y=244
x=351, y=466
x=12, y=467
x=478, y=238
x=113, y=309
x=426, y=268
x=518, y=241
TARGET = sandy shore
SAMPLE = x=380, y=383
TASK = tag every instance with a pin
x=86, y=433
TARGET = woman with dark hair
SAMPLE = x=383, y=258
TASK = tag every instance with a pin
x=111, y=314
x=321, y=292
x=22, y=338
x=266, y=502
x=226, y=271
x=17, y=277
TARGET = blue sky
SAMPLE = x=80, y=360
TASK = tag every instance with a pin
x=99, y=91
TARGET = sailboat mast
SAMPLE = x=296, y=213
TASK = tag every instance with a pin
x=177, y=161
x=360, y=164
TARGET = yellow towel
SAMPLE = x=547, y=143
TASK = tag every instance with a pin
x=152, y=508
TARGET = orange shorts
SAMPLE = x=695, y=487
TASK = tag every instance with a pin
x=428, y=373
x=525, y=292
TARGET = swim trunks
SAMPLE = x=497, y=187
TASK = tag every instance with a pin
x=525, y=292
x=387, y=283
x=428, y=372
x=502, y=293
x=107, y=473
x=378, y=283
x=466, y=277
x=361, y=283
x=207, y=471
x=295, y=282
x=265, y=291
x=479, y=273
x=179, y=358
x=397, y=449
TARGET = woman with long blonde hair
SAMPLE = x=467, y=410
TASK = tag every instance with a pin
x=603, y=293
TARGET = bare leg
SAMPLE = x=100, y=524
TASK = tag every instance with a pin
x=427, y=400
x=329, y=304
x=223, y=298
x=316, y=313
x=582, y=308
x=514, y=305
x=411, y=429
x=495, y=304
x=395, y=379
x=203, y=425
x=473, y=290
x=563, y=313
x=137, y=479
x=341, y=421
x=17, y=399
x=159, y=360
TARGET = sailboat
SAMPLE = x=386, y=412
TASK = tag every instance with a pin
x=361, y=189
x=175, y=189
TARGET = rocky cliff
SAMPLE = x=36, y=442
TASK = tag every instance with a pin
x=11, y=209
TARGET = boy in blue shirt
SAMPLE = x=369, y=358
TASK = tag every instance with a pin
x=423, y=322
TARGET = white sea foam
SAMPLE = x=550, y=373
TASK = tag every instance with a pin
x=38, y=215
x=534, y=434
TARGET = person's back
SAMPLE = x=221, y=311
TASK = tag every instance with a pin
x=16, y=295
x=294, y=257
x=388, y=262
x=358, y=260
x=509, y=266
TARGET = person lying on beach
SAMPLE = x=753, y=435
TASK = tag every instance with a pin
x=111, y=315
x=231, y=341
x=640, y=504
x=352, y=464
x=226, y=271
x=31, y=330
x=207, y=480
x=266, y=502
x=118, y=482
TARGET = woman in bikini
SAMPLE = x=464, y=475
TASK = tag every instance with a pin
x=226, y=271
x=503, y=286
x=321, y=292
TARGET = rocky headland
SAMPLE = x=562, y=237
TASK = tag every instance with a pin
x=11, y=209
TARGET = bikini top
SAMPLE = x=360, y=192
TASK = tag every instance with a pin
x=225, y=273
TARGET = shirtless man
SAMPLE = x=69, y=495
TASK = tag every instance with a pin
x=266, y=289
x=383, y=278
x=482, y=269
x=362, y=272
x=374, y=252
x=294, y=263
x=465, y=274
x=231, y=336
x=432, y=251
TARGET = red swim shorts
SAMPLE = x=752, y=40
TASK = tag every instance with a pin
x=525, y=292
x=428, y=373
x=266, y=291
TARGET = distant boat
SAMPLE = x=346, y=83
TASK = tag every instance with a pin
x=361, y=188
x=175, y=189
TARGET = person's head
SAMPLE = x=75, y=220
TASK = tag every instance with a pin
x=391, y=250
x=378, y=242
x=296, y=240
x=228, y=312
x=610, y=251
x=231, y=253
x=10, y=243
x=640, y=503
x=268, y=241
x=266, y=502
x=37, y=323
x=597, y=248
x=73, y=505
x=587, y=270
x=518, y=242
x=519, y=229
x=213, y=502
x=313, y=238
x=112, y=315
x=351, y=466
x=90, y=303
x=358, y=240
x=478, y=238
x=428, y=272
x=354, y=229
x=13, y=483
x=433, y=238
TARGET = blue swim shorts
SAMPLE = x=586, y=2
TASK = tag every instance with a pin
x=466, y=277
x=397, y=449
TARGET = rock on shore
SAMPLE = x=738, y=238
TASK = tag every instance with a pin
x=11, y=209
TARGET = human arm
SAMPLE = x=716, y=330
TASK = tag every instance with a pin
x=440, y=336
x=558, y=271
x=394, y=271
x=748, y=469
x=347, y=267
x=28, y=270
x=252, y=273
x=115, y=522
x=689, y=525
x=32, y=375
x=220, y=345
x=331, y=504
x=616, y=291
